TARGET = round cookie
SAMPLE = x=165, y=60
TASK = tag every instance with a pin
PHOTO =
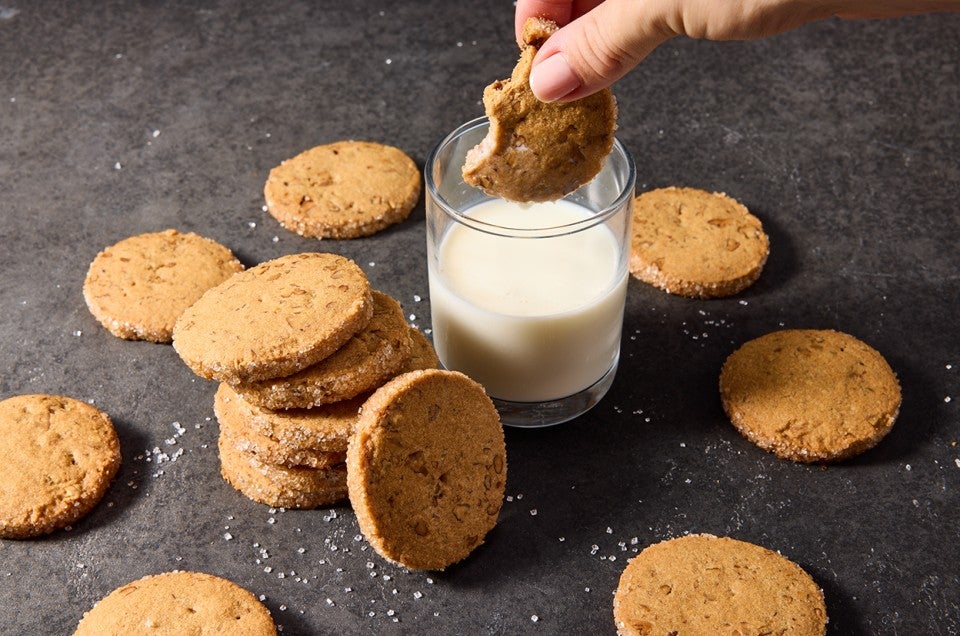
x=426, y=469
x=137, y=288
x=537, y=151
x=695, y=243
x=343, y=190
x=702, y=584
x=176, y=603
x=238, y=431
x=326, y=427
x=810, y=395
x=274, y=319
x=422, y=353
x=279, y=486
x=58, y=456
x=367, y=360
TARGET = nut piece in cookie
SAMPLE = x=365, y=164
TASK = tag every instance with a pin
x=426, y=469
x=58, y=456
x=694, y=243
x=810, y=395
x=702, y=584
x=343, y=190
x=536, y=151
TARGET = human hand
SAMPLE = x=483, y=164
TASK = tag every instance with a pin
x=601, y=40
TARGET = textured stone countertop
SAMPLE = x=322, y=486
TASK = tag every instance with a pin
x=119, y=118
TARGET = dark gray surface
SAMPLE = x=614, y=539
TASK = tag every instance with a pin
x=842, y=137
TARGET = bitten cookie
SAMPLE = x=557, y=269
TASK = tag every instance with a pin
x=426, y=469
x=274, y=319
x=370, y=358
x=137, y=288
x=702, y=584
x=343, y=190
x=176, y=603
x=537, y=151
x=281, y=486
x=58, y=456
x=695, y=243
x=810, y=395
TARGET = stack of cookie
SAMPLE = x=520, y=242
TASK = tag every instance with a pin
x=297, y=344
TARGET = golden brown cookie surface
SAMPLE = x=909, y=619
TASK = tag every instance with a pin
x=427, y=468
x=281, y=486
x=274, y=319
x=695, y=243
x=422, y=353
x=701, y=584
x=138, y=287
x=342, y=190
x=58, y=456
x=176, y=603
x=810, y=395
x=371, y=357
x=537, y=151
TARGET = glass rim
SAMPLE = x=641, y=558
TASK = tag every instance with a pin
x=596, y=218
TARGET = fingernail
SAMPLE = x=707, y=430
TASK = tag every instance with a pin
x=553, y=78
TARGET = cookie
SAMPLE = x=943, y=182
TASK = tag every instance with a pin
x=58, y=456
x=343, y=190
x=327, y=427
x=422, y=353
x=426, y=469
x=702, y=584
x=810, y=395
x=177, y=603
x=137, y=288
x=274, y=319
x=238, y=431
x=280, y=486
x=366, y=361
x=695, y=243
x=537, y=151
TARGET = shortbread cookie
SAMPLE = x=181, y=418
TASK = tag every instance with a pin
x=281, y=486
x=537, y=151
x=343, y=190
x=326, y=428
x=695, y=243
x=367, y=360
x=58, y=456
x=176, y=603
x=422, y=353
x=138, y=287
x=274, y=319
x=810, y=395
x=702, y=584
x=427, y=468
x=244, y=436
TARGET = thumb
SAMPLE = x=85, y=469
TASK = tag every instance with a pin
x=596, y=49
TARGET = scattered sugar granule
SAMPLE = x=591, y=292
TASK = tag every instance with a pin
x=156, y=133
x=609, y=530
x=227, y=536
x=533, y=512
x=251, y=224
x=416, y=298
x=534, y=618
x=388, y=61
x=957, y=462
x=948, y=399
x=117, y=166
x=418, y=595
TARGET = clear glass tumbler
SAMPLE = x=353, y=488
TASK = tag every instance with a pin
x=528, y=299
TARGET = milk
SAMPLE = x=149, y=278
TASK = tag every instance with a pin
x=531, y=319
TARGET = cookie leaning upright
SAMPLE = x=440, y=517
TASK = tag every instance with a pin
x=695, y=243
x=274, y=319
x=537, y=151
x=702, y=584
x=343, y=190
x=138, y=287
x=177, y=603
x=810, y=395
x=58, y=456
x=426, y=468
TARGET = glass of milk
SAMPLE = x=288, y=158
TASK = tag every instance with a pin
x=527, y=299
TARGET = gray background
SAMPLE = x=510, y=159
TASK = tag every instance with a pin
x=842, y=137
